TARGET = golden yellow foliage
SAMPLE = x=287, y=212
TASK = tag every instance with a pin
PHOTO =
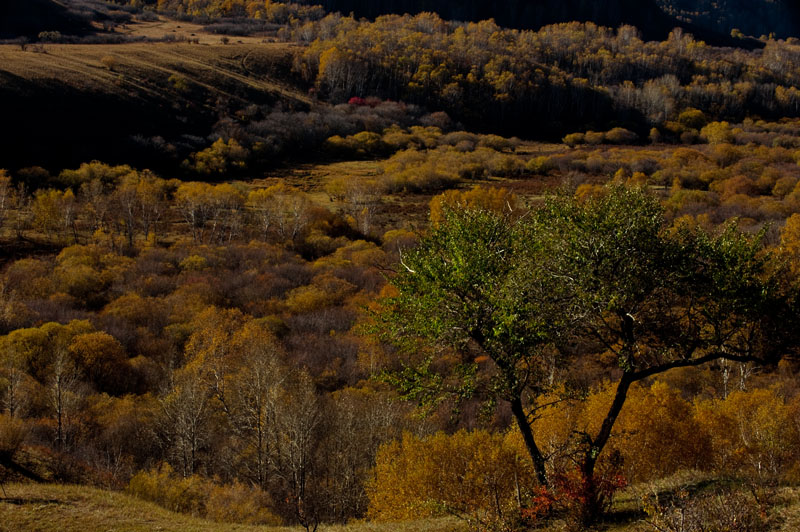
x=752, y=432
x=658, y=435
x=480, y=197
x=325, y=289
x=654, y=436
x=717, y=133
x=790, y=239
x=464, y=472
x=195, y=495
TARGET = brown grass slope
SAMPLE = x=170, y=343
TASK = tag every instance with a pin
x=49, y=507
x=69, y=508
x=66, y=104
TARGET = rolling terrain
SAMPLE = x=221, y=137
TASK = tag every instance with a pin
x=114, y=100
x=214, y=296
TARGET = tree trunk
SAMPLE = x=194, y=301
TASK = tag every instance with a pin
x=530, y=443
x=594, y=497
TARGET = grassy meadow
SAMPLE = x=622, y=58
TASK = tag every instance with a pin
x=70, y=508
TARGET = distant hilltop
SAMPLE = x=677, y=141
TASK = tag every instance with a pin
x=28, y=18
x=654, y=18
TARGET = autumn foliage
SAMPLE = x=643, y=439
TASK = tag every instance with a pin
x=466, y=472
x=203, y=344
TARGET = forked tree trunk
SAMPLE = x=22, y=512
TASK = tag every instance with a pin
x=593, y=492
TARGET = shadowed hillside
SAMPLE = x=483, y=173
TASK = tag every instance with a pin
x=140, y=101
x=30, y=17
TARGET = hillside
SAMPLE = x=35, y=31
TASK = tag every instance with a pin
x=69, y=508
x=146, y=101
x=47, y=507
x=264, y=268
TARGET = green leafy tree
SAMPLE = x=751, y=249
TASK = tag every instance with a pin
x=471, y=286
x=511, y=309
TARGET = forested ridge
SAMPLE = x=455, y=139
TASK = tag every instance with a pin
x=571, y=76
x=655, y=18
x=346, y=292
x=522, y=14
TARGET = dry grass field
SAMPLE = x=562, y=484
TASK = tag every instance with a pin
x=164, y=28
x=143, y=69
x=50, y=507
x=313, y=178
x=69, y=508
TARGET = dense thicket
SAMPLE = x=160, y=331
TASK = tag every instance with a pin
x=176, y=330
x=276, y=12
x=562, y=75
x=221, y=356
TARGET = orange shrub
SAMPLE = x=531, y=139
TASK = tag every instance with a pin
x=489, y=198
x=197, y=496
x=467, y=472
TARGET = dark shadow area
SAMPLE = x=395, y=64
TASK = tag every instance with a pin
x=27, y=18
x=54, y=125
x=20, y=248
x=32, y=500
x=19, y=470
x=751, y=17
